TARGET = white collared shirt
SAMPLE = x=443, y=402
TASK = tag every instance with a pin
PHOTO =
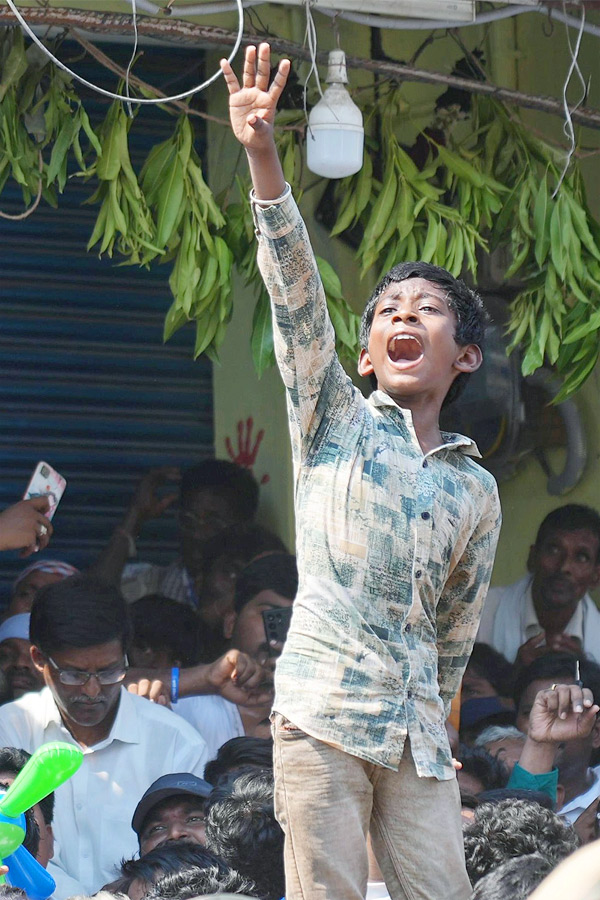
x=571, y=811
x=92, y=819
x=509, y=619
x=217, y=719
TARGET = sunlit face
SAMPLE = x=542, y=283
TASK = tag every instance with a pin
x=412, y=350
x=179, y=818
x=86, y=705
x=17, y=665
x=565, y=565
x=26, y=590
x=247, y=629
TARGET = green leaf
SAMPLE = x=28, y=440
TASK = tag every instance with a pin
x=261, y=341
x=174, y=320
x=331, y=282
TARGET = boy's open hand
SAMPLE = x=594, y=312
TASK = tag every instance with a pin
x=252, y=105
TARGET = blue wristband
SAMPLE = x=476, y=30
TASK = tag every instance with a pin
x=174, y=684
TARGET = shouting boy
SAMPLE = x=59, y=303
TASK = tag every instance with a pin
x=396, y=532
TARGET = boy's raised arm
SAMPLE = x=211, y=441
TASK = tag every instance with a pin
x=252, y=108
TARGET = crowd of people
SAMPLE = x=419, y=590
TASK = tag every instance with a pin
x=170, y=695
x=225, y=754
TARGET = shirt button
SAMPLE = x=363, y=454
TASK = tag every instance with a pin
x=418, y=573
x=425, y=463
x=79, y=806
x=408, y=627
x=425, y=515
x=409, y=695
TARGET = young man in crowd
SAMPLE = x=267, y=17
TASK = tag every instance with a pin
x=397, y=529
x=267, y=583
x=212, y=495
x=549, y=609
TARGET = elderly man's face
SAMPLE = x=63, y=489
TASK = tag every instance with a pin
x=179, y=818
x=565, y=565
x=17, y=665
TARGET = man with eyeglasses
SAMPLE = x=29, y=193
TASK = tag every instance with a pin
x=79, y=631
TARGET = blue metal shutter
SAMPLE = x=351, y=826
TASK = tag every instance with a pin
x=85, y=380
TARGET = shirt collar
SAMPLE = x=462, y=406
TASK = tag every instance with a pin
x=125, y=728
x=531, y=624
x=452, y=440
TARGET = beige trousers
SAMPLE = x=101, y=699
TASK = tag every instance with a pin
x=327, y=801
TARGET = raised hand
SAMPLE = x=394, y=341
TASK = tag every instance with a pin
x=252, y=105
x=561, y=714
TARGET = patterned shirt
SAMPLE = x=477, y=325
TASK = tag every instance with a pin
x=395, y=547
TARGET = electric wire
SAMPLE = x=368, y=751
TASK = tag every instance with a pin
x=124, y=97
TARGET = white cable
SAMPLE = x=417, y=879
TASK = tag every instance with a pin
x=568, y=129
x=205, y=9
x=132, y=57
x=99, y=90
x=310, y=38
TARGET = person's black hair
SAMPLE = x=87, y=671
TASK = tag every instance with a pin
x=507, y=793
x=465, y=303
x=515, y=879
x=160, y=623
x=79, y=611
x=171, y=856
x=195, y=881
x=31, y=840
x=488, y=769
x=223, y=478
x=493, y=666
x=273, y=572
x=13, y=759
x=512, y=828
x=242, y=829
x=556, y=666
x=240, y=544
x=237, y=753
x=571, y=517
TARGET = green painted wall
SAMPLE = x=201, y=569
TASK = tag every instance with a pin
x=521, y=56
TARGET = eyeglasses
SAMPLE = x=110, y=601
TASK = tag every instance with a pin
x=192, y=522
x=113, y=675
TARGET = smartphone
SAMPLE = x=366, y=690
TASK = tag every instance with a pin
x=46, y=481
x=277, y=622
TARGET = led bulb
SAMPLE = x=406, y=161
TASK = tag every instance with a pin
x=335, y=135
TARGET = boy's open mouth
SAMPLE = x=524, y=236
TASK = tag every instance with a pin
x=404, y=348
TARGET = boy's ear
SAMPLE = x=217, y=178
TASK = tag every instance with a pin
x=469, y=358
x=365, y=366
x=37, y=657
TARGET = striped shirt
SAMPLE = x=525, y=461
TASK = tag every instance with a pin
x=395, y=547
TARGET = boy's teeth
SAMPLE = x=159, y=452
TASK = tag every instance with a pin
x=404, y=347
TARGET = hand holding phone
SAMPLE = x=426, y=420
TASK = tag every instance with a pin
x=24, y=526
x=277, y=623
x=46, y=482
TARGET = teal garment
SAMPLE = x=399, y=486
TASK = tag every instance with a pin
x=546, y=782
x=395, y=547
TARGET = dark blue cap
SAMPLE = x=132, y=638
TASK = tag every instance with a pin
x=179, y=783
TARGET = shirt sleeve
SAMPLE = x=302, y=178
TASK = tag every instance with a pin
x=459, y=607
x=304, y=338
x=546, y=782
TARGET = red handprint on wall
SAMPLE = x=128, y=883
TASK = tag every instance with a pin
x=247, y=451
